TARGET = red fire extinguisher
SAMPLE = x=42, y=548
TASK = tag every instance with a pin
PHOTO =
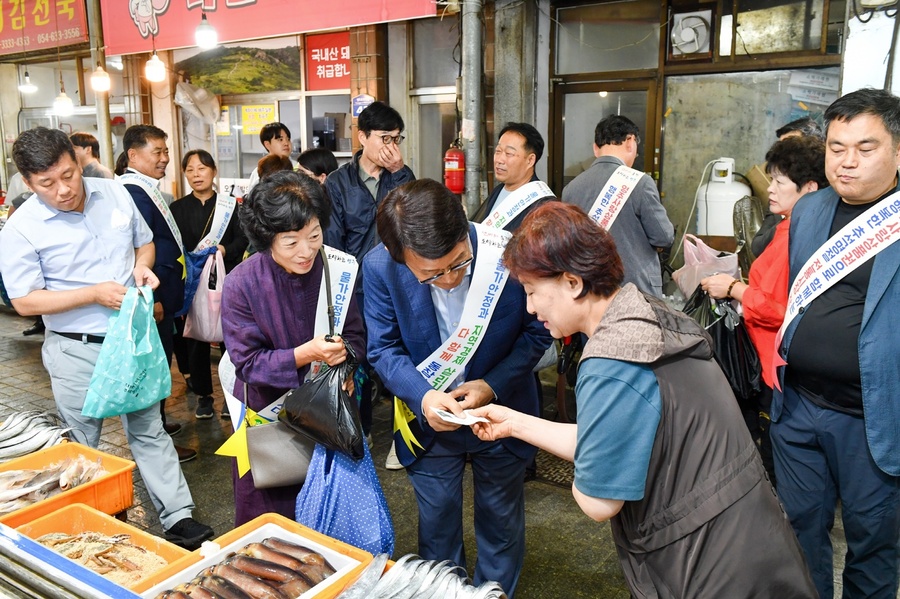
x=455, y=168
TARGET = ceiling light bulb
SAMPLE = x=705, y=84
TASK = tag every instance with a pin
x=62, y=105
x=100, y=80
x=27, y=87
x=155, y=70
x=205, y=35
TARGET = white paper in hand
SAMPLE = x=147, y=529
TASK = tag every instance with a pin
x=467, y=420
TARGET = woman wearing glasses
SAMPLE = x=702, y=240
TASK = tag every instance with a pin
x=269, y=312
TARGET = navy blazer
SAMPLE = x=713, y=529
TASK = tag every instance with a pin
x=167, y=268
x=879, y=344
x=403, y=331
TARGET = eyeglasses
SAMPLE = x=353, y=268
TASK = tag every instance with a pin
x=447, y=271
x=388, y=139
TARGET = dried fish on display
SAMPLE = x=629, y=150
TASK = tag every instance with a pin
x=116, y=558
x=21, y=488
x=271, y=569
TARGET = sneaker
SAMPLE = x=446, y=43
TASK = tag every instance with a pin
x=392, y=463
x=185, y=454
x=189, y=533
x=204, y=408
x=172, y=428
x=225, y=413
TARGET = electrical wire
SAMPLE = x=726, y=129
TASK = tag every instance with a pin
x=693, y=206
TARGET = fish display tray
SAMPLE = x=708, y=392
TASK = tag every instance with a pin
x=110, y=493
x=347, y=560
x=78, y=518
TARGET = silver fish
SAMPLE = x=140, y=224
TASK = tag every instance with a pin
x=367, y=579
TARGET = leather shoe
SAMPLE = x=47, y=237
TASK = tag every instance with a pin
x=185, y=454
x=172, y=428
x=36, y=329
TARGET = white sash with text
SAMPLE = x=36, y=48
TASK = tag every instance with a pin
x=618, y=189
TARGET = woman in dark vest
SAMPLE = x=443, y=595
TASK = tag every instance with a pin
x=660, y=447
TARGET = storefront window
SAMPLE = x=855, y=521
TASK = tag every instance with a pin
x=437, y=51
x=765, y=28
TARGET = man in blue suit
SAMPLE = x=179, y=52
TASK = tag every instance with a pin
x=836, y=425
x=416, y=285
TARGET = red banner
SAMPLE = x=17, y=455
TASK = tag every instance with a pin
x=27, y=25
x=129, y=25
x=328, y=61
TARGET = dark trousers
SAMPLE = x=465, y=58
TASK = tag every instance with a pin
x=499, y=482
x=822, y=456
x=193, y=360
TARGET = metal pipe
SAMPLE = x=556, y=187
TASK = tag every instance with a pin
x=473, y=108
x=101, y=99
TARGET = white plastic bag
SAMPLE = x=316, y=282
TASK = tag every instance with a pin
x=204, y=320
x=701, y=261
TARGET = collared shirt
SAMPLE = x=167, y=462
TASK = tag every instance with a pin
x=448, y=308
x=44, y=248
x=368, y=180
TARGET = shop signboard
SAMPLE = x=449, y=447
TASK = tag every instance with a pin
x=254, y=116
x=137, y=25
x=328, y=61
x=28, y=25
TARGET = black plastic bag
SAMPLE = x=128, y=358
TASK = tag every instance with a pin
x=324, y=412
x=731, y=344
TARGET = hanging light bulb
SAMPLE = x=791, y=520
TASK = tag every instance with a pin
x=63, y=105
x=27, y=87
x=100, y=80
x=205, y=34
x=155, y=70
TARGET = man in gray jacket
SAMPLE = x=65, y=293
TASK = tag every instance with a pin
x=642, y=227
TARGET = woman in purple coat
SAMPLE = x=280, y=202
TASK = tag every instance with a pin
x=269, y=312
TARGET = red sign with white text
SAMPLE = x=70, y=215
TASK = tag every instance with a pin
x=129, y=25
x=328, y=61
x=27, y=25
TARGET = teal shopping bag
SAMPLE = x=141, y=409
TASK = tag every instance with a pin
x=131, y=371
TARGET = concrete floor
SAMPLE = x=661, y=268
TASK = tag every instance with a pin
x=568, y=555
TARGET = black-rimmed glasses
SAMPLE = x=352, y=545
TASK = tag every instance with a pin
x=447, y=271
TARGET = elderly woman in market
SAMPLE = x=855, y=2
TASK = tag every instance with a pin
x=796, y=166
x=269, y=308
x=660, y=447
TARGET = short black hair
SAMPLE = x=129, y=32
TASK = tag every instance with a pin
x=138, y=136
x=378, y=116
x=318, y=161
x=801, y=159
x=875, y=102
x=804, y=126
x=38, y=149
x=614, y=130
x=86, y=140
x=203, y=156
x=422, y=216
x=270, y=131
x=283, y=201
x=534, y=143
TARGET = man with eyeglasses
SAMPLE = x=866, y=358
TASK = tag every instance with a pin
x=450, y=331
x=356, y=189
x=640, y=227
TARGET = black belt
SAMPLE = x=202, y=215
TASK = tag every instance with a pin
x=83, y=337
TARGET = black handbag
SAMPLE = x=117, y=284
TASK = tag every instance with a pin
x=734, y=351
x=320, y=408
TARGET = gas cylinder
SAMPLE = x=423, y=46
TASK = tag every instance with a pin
x=716, y=199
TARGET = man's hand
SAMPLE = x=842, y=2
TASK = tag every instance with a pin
x=391, y=158
x=500, y=425
x=144, y=276
x=158, y=312
x=109, y=294
x=442, y=401
x=475, y=393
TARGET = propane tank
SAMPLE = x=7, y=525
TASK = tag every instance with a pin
x=716, y=199
x=455, y=168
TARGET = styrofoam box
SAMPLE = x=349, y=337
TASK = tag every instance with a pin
x=347, y=567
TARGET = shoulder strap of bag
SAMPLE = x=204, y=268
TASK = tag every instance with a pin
x=326, y=275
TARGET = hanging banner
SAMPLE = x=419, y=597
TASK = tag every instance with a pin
x=28, y=25
x=129, y=25
x=328, y=61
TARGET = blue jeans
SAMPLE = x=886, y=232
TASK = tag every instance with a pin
x=821, y=456
x=499, y=478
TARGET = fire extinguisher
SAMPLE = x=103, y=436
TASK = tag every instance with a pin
x=455, y=168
